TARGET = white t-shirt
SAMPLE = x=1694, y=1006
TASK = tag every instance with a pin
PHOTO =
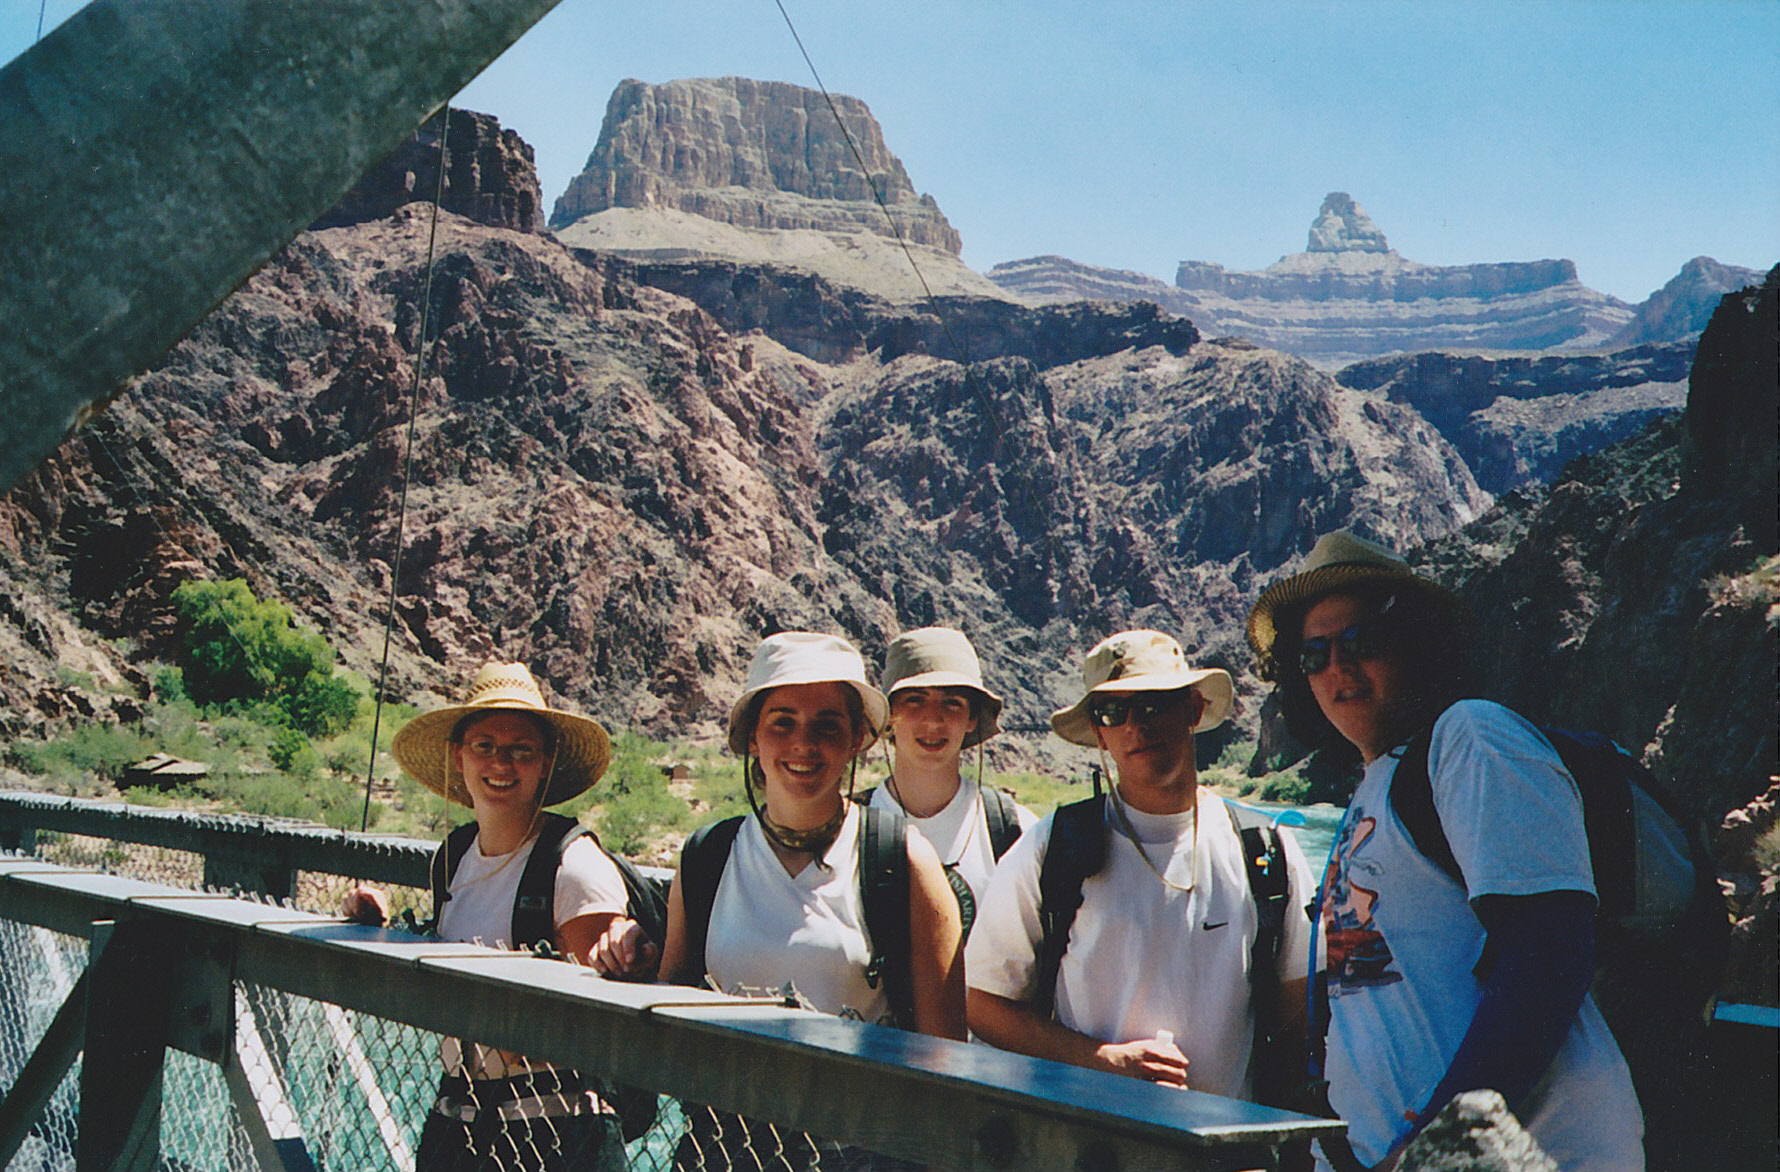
x=1402, y=940
x=959, y=832
x=769, y=928
x=480, y=911
x=1143, y=956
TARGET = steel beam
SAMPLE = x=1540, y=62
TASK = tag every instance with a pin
x=24, y=1101
x=157, y=152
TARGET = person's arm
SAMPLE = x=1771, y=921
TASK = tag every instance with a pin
x=1014, y=1025
x=674, y=948
x=936, y=942
x=579, y=938
x=625, y=952
x=366, y=904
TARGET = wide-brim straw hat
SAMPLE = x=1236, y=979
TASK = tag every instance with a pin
x=423, y=748
x=1337, y=561
x=806, y=657
x=940, y=657
x=1142, y=661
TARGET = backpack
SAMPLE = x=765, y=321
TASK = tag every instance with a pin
x=534, y=921
x=1662, y=932
x=1003, y=823
x=883, y=888
x=1077, y=850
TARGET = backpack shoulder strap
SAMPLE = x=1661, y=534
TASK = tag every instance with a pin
x=702, y=860
x=863, y=797
x=884, y=892
x=1412, y=800
x=1264, y=862
x=534, y=905
x=1003, y=820
x=1076, y=850
x=446, y=857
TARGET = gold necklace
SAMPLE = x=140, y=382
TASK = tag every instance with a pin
x=1130, y=832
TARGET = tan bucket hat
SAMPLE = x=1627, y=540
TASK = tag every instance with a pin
x=940, y=657
x=1142, y=661
x=1337, y=560
x=806, y=657
x=582, y=748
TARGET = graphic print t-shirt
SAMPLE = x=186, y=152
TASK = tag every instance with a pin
x=1402, y=941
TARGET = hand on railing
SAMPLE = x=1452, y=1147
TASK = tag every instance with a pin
x=1151, y=1059
x=624, y=951
x=365, y=904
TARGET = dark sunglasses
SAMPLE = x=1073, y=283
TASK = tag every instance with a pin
x=1363, y=640
x=1114, y=711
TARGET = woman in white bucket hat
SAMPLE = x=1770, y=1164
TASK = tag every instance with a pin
x=810, y=890
x=507, y=754
x=939, y=707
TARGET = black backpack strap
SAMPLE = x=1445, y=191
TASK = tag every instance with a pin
x=1076, y=850
x=884, y=892
x=702, y=860
x=1269, y=884
x=446, y=858
x=1002, y=819
x=863, y=797
x=1412, y=800
x=534, y=905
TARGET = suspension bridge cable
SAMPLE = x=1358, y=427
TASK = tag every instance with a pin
x=422, y=348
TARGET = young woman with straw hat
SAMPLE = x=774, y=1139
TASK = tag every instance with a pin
x=507, y=755
x=939, y=707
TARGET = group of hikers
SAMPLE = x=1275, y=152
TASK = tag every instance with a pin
x=1154, y=931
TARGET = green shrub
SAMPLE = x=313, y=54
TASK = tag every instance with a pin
x=292, y=752
x=237, y=649
x=168, y=684
x=90, y=750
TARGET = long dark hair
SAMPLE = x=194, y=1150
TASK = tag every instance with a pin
x=1428, y=631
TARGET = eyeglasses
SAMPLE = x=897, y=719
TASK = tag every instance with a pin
x=1115, y=710
x=487, y=750
x=1363, y=640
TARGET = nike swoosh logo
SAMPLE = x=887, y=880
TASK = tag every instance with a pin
x=1209, y=926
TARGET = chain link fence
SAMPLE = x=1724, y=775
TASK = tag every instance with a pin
x=318, y=1085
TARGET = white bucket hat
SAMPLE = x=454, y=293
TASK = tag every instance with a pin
x=1142, y=661
x=583, y=750
x=805, y=657
x=940, y=657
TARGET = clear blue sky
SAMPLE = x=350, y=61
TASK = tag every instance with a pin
x=1628, y=136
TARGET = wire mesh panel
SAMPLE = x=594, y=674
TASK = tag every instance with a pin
x=152, y=864
x=38, y=969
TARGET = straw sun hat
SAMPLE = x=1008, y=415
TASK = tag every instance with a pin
x=1337, y=561
x=423, y=747
x=1142, y=661
x=805, y=657
x=939, y=657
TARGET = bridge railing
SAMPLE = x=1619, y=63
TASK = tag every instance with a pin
x=143, y=1025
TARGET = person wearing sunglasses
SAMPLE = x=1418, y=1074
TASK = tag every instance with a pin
x=1151, y=977
x=1366, y=655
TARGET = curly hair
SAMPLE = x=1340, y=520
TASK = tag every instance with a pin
x=1430, y=637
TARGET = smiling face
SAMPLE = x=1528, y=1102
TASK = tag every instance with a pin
x=503, y=758
x=1363, y=695
x=1152, y=747
x=929, y=725
x=804, y=738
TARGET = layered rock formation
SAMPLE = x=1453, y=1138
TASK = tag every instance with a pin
x=1350, y=295
x=760, y=172
x=1680, y=309
x=490, y=177
x=1520, y=420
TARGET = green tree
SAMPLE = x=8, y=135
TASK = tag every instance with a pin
x=238, y=649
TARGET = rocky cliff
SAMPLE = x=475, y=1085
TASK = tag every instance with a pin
x=1519, y=420
x=490, y=177
x=765, y=173
x=1680, y=309
x=1349, y=295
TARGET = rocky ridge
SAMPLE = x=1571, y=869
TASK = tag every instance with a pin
x=1681, y=308
x=1519, y=420
x=490, y=177
x=1349, y=295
